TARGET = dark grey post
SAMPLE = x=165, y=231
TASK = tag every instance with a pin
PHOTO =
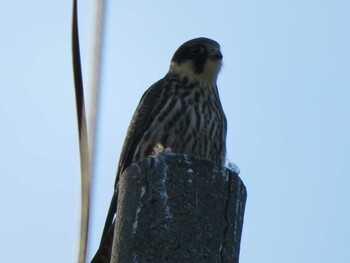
x=178, y=208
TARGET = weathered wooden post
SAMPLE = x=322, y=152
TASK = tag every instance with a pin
x=178, y=208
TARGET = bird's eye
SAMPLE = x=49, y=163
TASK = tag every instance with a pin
x=196, y=49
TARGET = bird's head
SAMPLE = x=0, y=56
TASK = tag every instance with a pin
x=198, y=59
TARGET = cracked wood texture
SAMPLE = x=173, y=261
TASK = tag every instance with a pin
x=178, y=208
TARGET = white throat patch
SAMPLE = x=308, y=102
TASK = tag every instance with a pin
x=207, y=77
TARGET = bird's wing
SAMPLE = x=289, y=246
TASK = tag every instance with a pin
x=142, y=118
x=140, y=122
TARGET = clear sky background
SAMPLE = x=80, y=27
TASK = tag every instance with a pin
x=285, y=87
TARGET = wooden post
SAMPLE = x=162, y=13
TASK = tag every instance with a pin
x=178, y=208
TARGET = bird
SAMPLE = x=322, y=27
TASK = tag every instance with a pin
x=181, y=112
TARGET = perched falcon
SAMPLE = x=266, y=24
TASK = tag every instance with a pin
x=182, y=111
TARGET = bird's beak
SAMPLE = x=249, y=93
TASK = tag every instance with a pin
x=215, y=54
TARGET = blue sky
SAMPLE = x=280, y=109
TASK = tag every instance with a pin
x=285, y=88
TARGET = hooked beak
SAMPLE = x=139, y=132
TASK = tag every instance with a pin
x=215, y=54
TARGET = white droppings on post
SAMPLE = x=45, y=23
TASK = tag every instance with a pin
x=164, y=196
x=163, y=193
x=134, y=225
x=233, y=167
x=143, y=191
x=189, y=170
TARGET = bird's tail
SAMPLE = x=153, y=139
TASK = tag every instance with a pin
x=103, y=254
